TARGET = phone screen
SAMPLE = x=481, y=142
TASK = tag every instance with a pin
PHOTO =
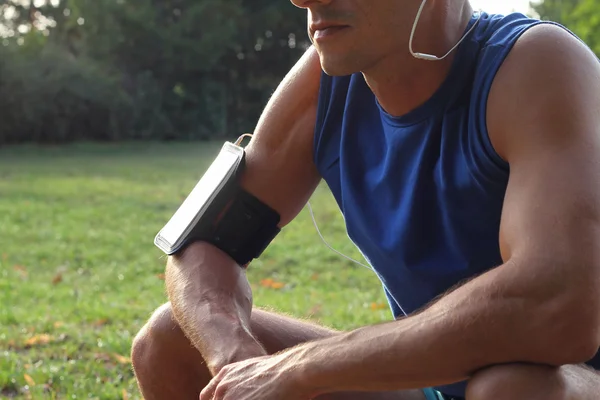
x=196, y=203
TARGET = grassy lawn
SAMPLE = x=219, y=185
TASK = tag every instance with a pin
x=79, y=273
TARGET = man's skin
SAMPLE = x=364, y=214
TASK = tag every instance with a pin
x=519, y=331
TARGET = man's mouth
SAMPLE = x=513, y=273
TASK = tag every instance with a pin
x=323, y=30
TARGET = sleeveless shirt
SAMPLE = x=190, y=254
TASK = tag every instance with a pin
x=422, y=194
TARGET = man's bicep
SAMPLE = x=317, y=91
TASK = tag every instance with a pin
x=544, y=120
x=280, y=170
x=550, y=240
x=551, y=208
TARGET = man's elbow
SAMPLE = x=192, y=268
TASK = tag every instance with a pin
x=576, y=348
x=586, y=341
x=573, y=332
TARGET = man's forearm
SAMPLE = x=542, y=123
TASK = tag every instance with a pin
x=493, y=319
x=212, y=302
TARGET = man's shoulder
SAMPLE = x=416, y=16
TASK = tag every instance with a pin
x=547, y=72
x=499, y=29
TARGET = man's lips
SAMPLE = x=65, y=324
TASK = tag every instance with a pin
x=325, y=30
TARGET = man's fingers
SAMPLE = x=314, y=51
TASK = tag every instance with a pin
x=208, y=393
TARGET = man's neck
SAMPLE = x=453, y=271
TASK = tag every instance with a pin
x=400, y=82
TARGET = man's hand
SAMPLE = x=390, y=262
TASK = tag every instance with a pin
x=263, y=378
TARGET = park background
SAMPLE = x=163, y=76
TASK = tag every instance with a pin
x=110, y=111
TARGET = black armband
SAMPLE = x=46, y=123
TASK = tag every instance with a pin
x=219, y=211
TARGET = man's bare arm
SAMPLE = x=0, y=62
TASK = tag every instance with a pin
x=209, y=293
x=542, y=305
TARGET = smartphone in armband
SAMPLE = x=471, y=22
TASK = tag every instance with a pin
x=193, y=219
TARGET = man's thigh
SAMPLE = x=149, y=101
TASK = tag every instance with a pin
x=277, y=332
x=525, y=381
x=584, y=380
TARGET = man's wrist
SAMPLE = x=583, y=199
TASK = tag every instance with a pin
x=234, y=352
x=227, y=342
x=235, y=348
x=303, y=373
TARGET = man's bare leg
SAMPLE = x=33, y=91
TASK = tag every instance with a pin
x=167, y=366
x=531, y=382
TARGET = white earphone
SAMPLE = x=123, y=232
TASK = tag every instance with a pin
x=431, y=57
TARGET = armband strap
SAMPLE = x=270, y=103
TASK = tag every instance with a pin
x=245, y=228
x=219, y=211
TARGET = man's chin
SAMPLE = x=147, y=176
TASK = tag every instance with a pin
x=336, y=67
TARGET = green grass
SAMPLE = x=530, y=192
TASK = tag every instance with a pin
x=79, y=274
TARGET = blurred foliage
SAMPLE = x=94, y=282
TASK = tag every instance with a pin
x=580, y=16
x=161, y=69
x=144, y=69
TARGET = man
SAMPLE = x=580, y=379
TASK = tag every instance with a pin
x=469, y=181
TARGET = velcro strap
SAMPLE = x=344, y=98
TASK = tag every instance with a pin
x=245, y=228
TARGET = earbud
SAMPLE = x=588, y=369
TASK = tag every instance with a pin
x=431, y=57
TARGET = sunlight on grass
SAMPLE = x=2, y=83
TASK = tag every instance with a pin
x=79, y=273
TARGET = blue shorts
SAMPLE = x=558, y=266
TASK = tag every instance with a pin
x=431, y=394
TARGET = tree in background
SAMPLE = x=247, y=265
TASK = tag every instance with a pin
x=143, y=69
x=161, y=69
x=554, y=10
x=585, y=21
x=581, y=16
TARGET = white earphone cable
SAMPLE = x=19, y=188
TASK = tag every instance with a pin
x=312, y=215
x=431, y=57
x=370, y=268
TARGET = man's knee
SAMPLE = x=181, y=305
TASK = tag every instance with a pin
x=517, y=381
x=159, y=331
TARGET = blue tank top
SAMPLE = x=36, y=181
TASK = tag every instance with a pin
x=421, y=194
